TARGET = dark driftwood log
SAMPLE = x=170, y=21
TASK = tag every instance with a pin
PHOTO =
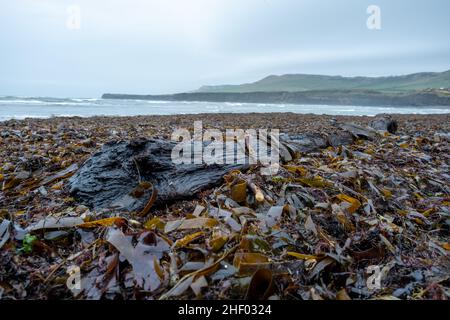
x=110, y=177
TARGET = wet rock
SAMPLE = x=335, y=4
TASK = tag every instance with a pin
x=304, y=143
x=340, y=139
x=359, y=131
x=384, y=124
x=110, y=176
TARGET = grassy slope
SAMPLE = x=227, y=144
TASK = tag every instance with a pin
x=302, y=82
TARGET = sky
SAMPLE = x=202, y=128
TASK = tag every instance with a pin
x=83, y=48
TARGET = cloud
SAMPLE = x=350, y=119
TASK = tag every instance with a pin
x=157, y=46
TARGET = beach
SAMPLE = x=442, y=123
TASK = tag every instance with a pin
x=324, y=219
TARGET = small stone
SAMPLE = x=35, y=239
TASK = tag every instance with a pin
x=384, y=124
x=80, y=209
x=88, y=143
x=43, y=191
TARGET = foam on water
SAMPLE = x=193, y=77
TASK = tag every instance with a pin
x=46, y=107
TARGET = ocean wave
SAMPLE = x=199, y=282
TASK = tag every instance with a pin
x=45, y=107
x=234, y=104
x=85, y=99
x=44, y=100
x=3, y=101
x=156, y=101
x=22, y=117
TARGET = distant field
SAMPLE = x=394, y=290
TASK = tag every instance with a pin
x=305, y=82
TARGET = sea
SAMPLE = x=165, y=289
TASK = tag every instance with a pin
x=31, y=107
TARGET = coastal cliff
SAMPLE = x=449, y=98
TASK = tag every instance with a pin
x=316, y=97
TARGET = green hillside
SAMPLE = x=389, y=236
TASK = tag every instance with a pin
x=305, y=82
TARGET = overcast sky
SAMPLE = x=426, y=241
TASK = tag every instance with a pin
x=165, y=46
